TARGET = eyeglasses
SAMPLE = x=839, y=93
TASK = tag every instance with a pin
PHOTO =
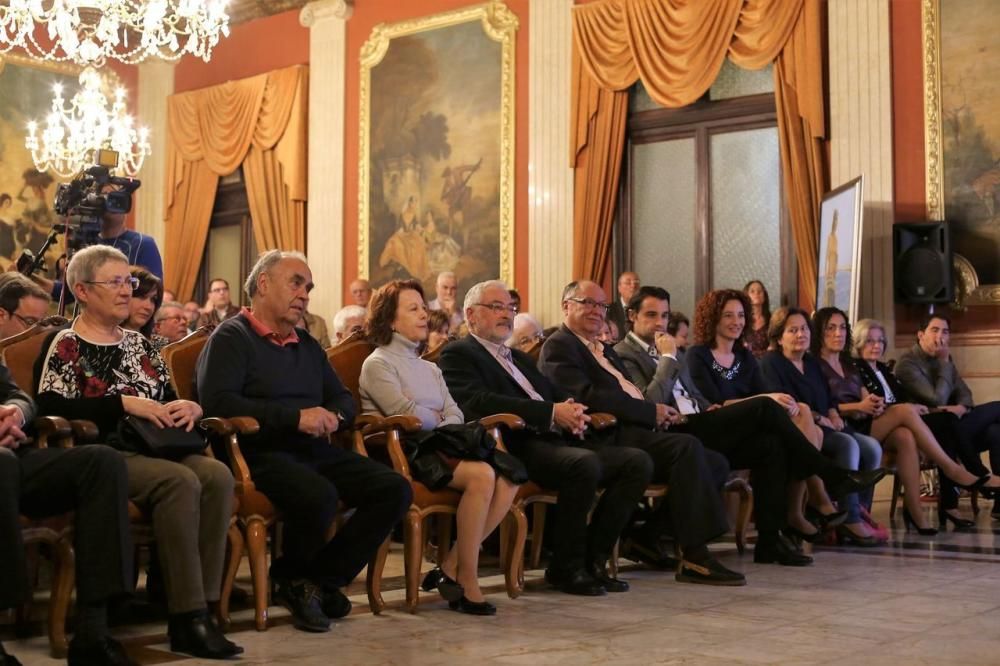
x=499, y=307
x=27, y=321
x=218, y=290
x=590, y=304
x=177, y=318
x=117, y=283
x=870, y=341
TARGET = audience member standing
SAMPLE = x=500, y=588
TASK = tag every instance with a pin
x=760, y=309
x=628, y=284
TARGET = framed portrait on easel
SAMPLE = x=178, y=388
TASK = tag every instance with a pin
x=840, y=234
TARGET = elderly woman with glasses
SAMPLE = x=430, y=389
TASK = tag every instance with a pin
x=886, y=413
x=99, y=371
x=395, y=380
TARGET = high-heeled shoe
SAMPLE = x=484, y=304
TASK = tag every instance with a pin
x=450, y=590
x=825, y=521
x=803, y=536
x=960, y=523
x=463, y=605
x=980, y=486
x=909, y=522
x=846, y=536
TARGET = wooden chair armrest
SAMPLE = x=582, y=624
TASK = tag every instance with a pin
x=245, y=425
x=602, y=420
x=217, y=427
x=84, y=431
x=364, y=420
x=227, y=432
x=512, y=421
x=403, y=422
x=53, y=430
x=237, y=463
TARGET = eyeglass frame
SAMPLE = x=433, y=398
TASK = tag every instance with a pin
x=118, y=282
x=590, y=303
x=26, y=321
x=499, y=308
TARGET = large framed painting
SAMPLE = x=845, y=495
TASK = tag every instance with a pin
x=436, y=188
x=962, y=137
x=840, y=235
x=26, y=195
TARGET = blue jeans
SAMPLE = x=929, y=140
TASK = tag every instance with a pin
x=853, y=451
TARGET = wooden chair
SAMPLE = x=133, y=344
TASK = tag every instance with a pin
x=347, y=359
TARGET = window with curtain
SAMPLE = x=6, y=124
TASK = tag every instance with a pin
x=701, y=204
x=230, y=249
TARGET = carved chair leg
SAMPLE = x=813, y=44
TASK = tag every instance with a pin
x=413, y=541
x=613, y=562
x=234, y=549
x=896, y=485
x=64, y=574
x=537, y=533
x=256, y=542
x=374, y=578
x=513, y=564
x=444, y=522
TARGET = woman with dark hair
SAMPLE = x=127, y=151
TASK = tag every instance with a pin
x=395, y=380
x=725, y=371
x=883, y=409
x=438, y=330
x=760, y=303
x=145, y=301
x=790, y=367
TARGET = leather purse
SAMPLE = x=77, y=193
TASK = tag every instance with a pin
x=145, y=437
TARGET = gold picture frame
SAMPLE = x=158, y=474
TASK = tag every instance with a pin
x=968, y=290
x=499, y=25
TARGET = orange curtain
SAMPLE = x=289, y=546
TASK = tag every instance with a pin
x=259, y=122
x=677, y=48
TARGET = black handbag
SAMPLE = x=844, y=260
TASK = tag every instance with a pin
x=145, y=437
x=469, y=441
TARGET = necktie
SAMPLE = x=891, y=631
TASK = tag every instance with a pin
x=507, y=360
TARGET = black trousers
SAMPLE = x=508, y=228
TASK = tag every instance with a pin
x=306, y=486
x=945, y=428
x=576, y=469
x=757, y=434
x=693, y=511
x=88, y=480
x=979, y=430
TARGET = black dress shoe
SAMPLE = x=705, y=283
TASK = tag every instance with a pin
x=709, y=572
x=7, y=659
x=638, y=551
x=335, y=604
x=855, y=482
x=463, y=605
x=104, y=652
x=574, y=581
x=450, y=590
x=304, y=600
x=196, y=634
x=780, y=551
x=599, y=572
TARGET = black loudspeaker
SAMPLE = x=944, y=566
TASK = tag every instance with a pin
x=921, y=263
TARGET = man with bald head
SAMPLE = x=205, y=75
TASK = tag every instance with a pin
x=559, y=451
x=592, y=373
x=361, y=292
x=628, y=284
x=447, y=299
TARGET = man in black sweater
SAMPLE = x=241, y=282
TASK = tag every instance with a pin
x=260, y=364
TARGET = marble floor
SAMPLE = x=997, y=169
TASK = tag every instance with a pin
x=917, y=600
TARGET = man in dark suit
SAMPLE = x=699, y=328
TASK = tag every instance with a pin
x=628, y=283
x=88, y=480
x=755, y=433
x=485, y=377
x=576, y=360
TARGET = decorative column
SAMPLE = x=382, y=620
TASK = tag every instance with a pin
x=325, y=220
x=550, y=178
x=156, y=83
x=861, y=138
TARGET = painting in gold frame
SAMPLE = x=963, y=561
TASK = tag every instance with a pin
x=436, y=186
x=26, y=195
x=962, y=137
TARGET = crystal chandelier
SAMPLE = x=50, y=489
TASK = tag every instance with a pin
x=89, y=31
x=73, y=133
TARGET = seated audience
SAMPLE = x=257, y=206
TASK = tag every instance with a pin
x=90, y=481
x=574, y=359
x=317, y=328
x=881, y=408
x=678, y=328
x=752, y=434
x=931, y=378
x=515, y=300
x=145, y=301
x=438, y=325
x=628, y=282
x=361, y=292
x=526, y=331
x=98, y=371
x=260, y=364
x=447, y=299
x=349, y=320
x=220, y=306
x=395, y=380
x=609, y=333
x=193, y=312
x=760, y=305
x=169, y=296
x=557, y=448
x=791, y=368
x=170, y=322
x=725, y=373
